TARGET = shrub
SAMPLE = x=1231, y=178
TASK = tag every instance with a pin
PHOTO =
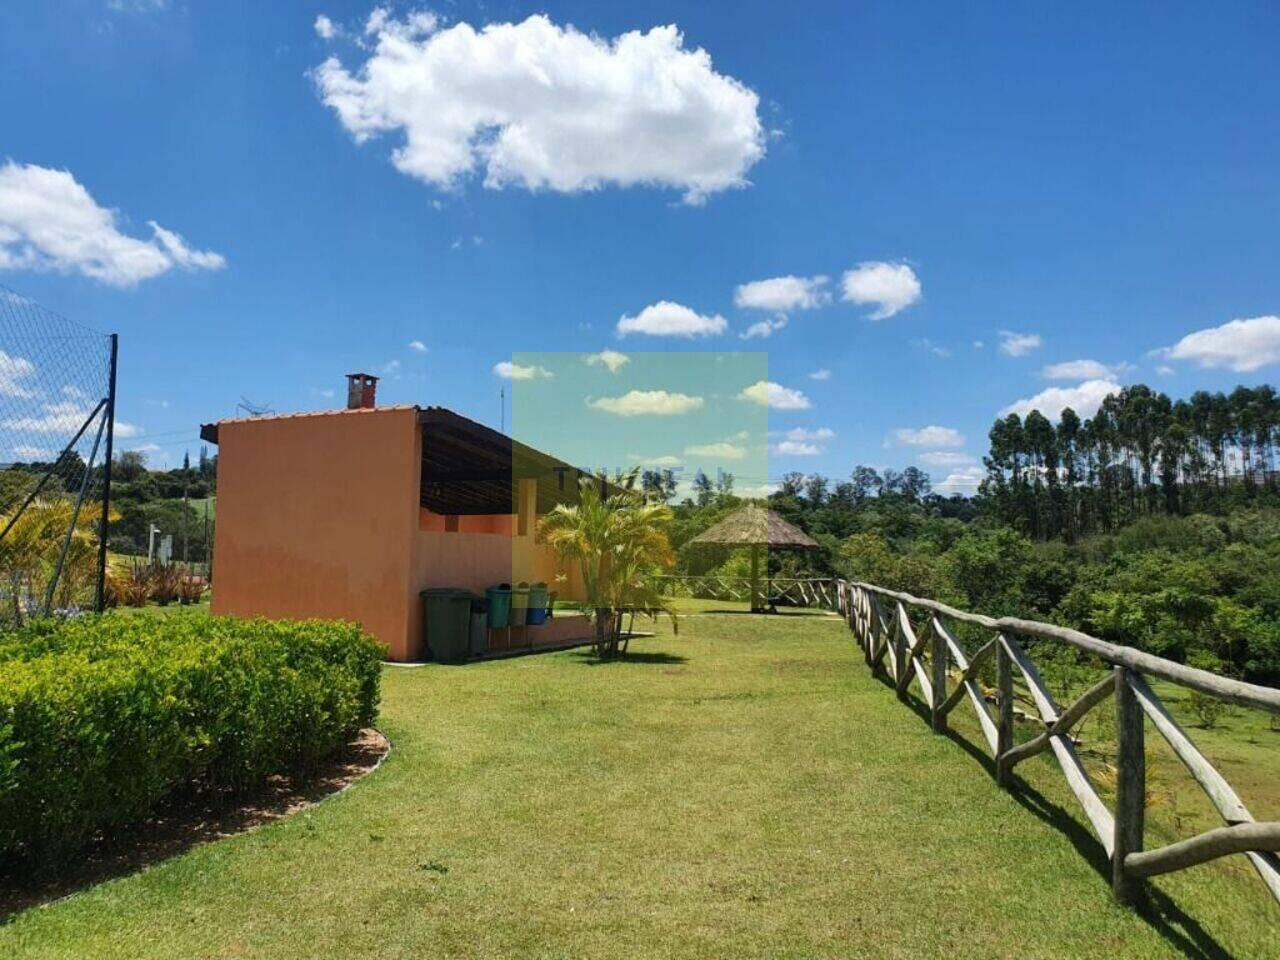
x=164, y=582
x=190, y=590
x=1208, y=709
x=101, y=719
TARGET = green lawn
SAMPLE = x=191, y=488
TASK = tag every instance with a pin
x=742, y=790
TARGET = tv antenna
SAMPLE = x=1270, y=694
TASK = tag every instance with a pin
x=253, y=409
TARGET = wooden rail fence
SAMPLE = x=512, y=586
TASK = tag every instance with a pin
x=799, y=592
x=928, y=653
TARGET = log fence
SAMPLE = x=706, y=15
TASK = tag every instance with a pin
x=926, y=651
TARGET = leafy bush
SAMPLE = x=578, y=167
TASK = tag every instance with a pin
x=165, y=581
x=1206, y=708
x=103, y=718
x=190, y=589
x=870, y=558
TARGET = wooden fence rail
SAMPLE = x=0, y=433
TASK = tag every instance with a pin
x=926, y=651
x=799, y=592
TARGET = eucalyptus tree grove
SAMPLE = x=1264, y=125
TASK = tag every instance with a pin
x=1140, y=454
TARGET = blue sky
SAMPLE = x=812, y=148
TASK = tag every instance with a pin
x=1097, y=182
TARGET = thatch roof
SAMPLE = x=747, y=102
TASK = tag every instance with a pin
x=754, y=524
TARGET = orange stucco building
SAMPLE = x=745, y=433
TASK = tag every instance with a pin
x=350, y=513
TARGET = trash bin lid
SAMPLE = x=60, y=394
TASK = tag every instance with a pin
x=447, y=592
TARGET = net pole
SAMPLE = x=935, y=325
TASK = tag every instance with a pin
x=75, y=518
x=100, y=598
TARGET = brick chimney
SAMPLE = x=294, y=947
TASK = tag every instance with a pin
x=362, y=389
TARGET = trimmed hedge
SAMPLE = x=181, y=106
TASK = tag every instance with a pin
x=103, y=718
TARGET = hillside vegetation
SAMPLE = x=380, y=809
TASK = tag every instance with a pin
x=1154, y=524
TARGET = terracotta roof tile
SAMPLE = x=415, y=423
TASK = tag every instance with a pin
x=317, y=413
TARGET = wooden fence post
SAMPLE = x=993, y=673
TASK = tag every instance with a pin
x=873, y=632
x=1131, y=789
x=1004, y=711
x=900, y=648
x=938, y=667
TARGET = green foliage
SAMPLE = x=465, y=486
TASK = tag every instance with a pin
x=1155, y=525
x=104, y=718
x=1208, y=710
x=131, y=532
x=869, y=558
x=619, y=543
x=1142, y=455
x=988, y=568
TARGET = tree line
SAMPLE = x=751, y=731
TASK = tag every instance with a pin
x=1140, y=454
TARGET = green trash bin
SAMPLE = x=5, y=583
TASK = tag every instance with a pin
x=448, y=623
x=499, y=598
x=519, y=603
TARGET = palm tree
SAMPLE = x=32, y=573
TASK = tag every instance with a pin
x=30, y=551
x=619, y=542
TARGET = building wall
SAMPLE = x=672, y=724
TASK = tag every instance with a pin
x=317, y=516
x=479, y=523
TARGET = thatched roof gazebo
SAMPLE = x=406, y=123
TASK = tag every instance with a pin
x=756, y=527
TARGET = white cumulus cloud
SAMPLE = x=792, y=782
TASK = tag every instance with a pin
x=666, y=460
x=775, y=396
x=417, y=346
x=612, y=359
x=930, y=436
x=325, y=28
x=823, y=374
x=546, y=107
x=519, y=371
x=1084, y=399
x=1239, y=345
x=15, y=372
x=1081, y=370
x=28, y=452
x=1013, y=344
x=764, y=328
x=667, y=319
x=803, y=433
x=803, y=442
x=794, y=448
x=782, y=294
x=945, y=458
x=62, y=417
x=49, y=222
x=965, y=480
x=638, y=403
x=720, y=451
x=889, y=287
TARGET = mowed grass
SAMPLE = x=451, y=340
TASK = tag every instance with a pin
x=745, y=789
